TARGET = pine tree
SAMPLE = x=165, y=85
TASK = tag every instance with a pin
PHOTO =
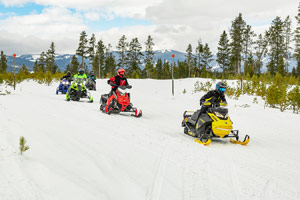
x=149, y=56
x=260, y=51
x=82, y=47
x=134, y=56
x=24, y=70
x=277, y=45
x=287, y=30
x=166, y=70
x=3, y=63
x=74, y=65
x=207, y=57
x=250, y=65
x=110, y=63
x=199, y=57
x=99, y=59
x=297, y=42
x=189, y=58
x=223, y=52
x=50, y=59
x=122, y=51
x=42, y=62
x=158, y=67
x=92, y=48
x=248, y=42
x=182, y=72
x=35, y=67
x=236, y=33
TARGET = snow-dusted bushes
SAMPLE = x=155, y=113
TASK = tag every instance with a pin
x=294, y=99
x=278, y=92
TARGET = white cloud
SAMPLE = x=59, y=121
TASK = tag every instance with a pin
x=207, y=19
x=53, y=24
x=176, y=23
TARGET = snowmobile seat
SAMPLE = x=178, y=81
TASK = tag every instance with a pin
x=193, y=119
x=195, y=115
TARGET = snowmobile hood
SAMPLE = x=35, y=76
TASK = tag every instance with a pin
x=221, y=127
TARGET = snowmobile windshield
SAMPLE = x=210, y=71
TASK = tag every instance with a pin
x=122, y=90
x=79, y=80
x=65, y=82
x=221, y=112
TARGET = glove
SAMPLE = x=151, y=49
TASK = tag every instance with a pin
x=201, y=102
x=128, y=86
x=223, y=104
x=206, y=103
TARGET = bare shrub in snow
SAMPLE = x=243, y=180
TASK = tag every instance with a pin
x=23, y=146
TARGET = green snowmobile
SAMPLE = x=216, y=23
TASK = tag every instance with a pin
x=78, y=90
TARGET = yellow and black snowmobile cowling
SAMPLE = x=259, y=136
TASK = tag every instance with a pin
x=215, y=123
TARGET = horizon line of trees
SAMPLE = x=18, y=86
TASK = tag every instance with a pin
x=238, y=47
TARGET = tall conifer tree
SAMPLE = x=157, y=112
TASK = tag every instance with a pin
x=3, y=63
x=277, y=46
x=51, y=66
x=297, y=42
x=236, y=33
x=149, y=56
x=288, y=34
x=82, y=47
x=261, y=49
x=92, y=49
x=99, y=59
x=189, y=58
x=199, y=56
x=122, y=51
x=223, y=52
x=134, y=56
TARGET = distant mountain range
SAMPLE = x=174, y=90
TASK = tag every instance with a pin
x=63, y=60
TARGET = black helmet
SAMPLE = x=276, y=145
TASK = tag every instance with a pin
x=81, y=71
x=69, y=73
x=220, y=87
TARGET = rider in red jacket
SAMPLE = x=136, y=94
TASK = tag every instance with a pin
x=115, y=82
x=118, y=80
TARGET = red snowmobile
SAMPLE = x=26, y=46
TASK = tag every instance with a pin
x=119, y=101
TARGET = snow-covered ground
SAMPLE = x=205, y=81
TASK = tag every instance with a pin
x=77, y=152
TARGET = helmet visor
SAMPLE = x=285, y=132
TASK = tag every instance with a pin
x=221, y=89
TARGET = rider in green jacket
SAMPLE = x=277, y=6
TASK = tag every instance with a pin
x=80, y=74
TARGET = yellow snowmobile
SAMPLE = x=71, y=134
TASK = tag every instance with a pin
x=215, y=123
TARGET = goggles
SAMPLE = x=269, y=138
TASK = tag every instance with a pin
x=221, y=89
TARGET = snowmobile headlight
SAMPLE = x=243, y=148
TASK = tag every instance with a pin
x=219, y=115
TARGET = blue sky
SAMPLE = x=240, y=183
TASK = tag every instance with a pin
x=21, y=10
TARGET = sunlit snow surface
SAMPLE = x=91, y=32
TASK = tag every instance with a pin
x=77, y=152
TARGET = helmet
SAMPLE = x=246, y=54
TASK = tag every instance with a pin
x=69, y=73
x=220, y=87
x=92, y=73
x=81, y=71
x=121, y=71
